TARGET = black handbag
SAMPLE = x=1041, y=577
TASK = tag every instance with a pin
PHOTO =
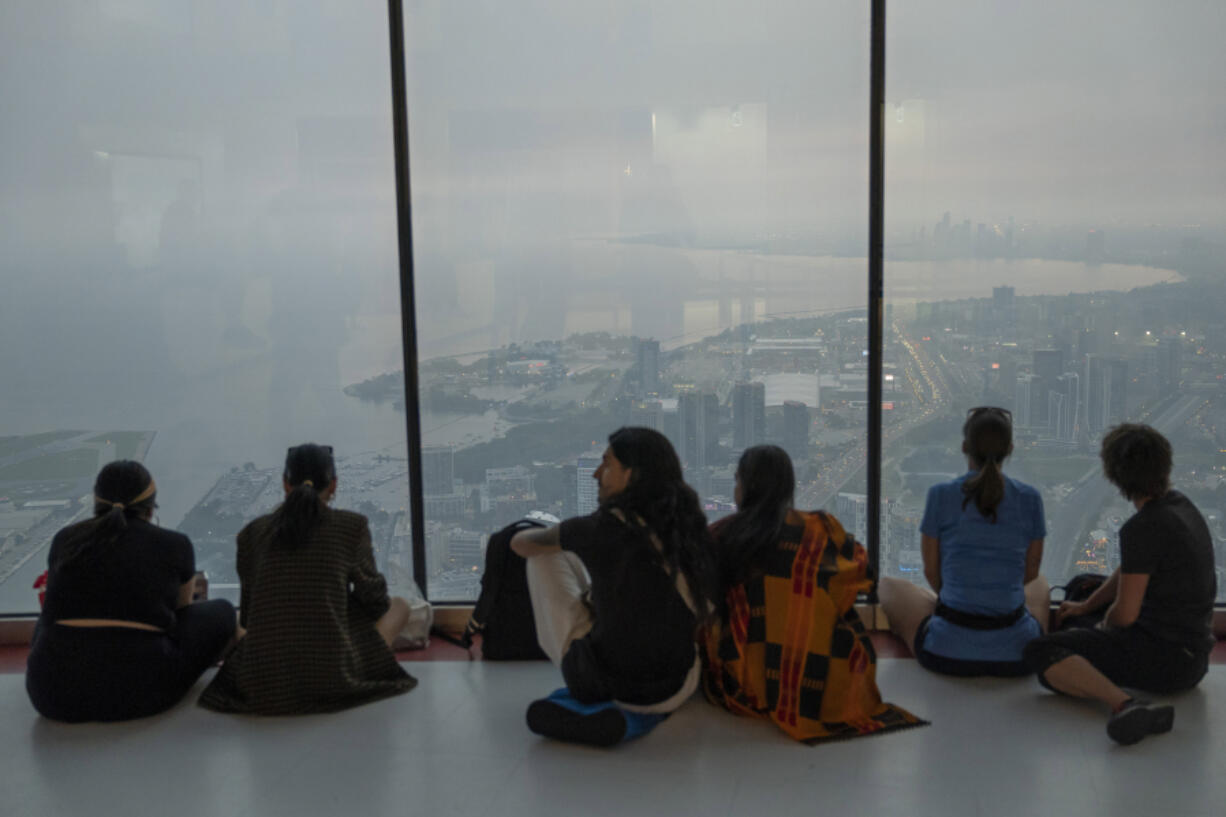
x=1080, y=588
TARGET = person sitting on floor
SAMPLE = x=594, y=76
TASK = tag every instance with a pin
x=119, y=636
x=1157, y=634
x=617, y=596
x=319, y=621
x=982, y=541
x=788, y=643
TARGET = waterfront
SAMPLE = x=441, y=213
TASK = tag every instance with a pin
x=212, y=413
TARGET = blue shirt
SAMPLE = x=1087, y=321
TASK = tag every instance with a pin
x=983, y=568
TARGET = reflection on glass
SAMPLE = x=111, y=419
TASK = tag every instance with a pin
x=638, y=214
x=198, y=253
x=1054, y=244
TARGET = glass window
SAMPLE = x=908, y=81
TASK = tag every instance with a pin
x=1054, y=243
x=198, y=249
x=633, y=213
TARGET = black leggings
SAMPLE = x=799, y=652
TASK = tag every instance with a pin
x=77, y=674
x=1128, y=657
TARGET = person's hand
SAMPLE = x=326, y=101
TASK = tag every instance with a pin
x=1067, y=609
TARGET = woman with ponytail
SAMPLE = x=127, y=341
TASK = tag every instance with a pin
x=982, y=542
x=320, y=624
x=119, y=636
x=788, y=644
x=617, y=596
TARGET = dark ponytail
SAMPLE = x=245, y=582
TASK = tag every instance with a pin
x=768, y=483
x=124, y=489
x=987, y=438
x=309, y=470
x=658, y=495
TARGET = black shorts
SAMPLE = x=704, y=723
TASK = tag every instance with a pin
x=961, y=667
x=1127, y=656
x=589, y=684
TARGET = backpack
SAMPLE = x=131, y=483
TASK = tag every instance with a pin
x=503, y=614
x=1080, y=588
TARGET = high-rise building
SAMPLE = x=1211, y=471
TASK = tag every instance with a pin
x=1023, y=400
x=437, y=470
x=1106, y=391
x=1003, y=299
x=648, y=362
x=1055, y=404
x=586, y=489
x=1048, y=366
x=1117, y=391
x=1170, y=364
x=748, y=414
x=1066, y=419
x=852, y=511
x=699, y=427
x=796, y=429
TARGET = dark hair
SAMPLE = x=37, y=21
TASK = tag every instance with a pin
x=1137, y=460
x=987, y=437
x=658, y=495
x=768, y=484
x=309, y=470
x=123, y=489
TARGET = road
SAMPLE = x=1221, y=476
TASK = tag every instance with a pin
x=931, y=391
x=1066, y=522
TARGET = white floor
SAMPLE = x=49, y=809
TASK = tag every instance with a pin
x=457, y=745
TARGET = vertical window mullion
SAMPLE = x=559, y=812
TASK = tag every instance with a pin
x=408, y=306
x=876, y=279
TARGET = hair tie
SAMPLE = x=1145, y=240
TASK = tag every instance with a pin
x=308, y=482
x=117, y=506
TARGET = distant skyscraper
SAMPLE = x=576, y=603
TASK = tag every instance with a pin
x=1003, y=300
x=1170, y=364
x=852, y=512
x=1117, y=391
x=1065, y=421
x=748, y=414
x=437, y=470
x=699, y=427
x=795, y=429
x=1048, y=366
x=648, y=361
x=1095, y=393
x=1023, y=401
x=588, y=499
x=1106, y=391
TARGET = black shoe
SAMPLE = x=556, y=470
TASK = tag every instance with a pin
x=605, y=727
x=1139, y=718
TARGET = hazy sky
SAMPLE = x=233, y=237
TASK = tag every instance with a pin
x=232, y=160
